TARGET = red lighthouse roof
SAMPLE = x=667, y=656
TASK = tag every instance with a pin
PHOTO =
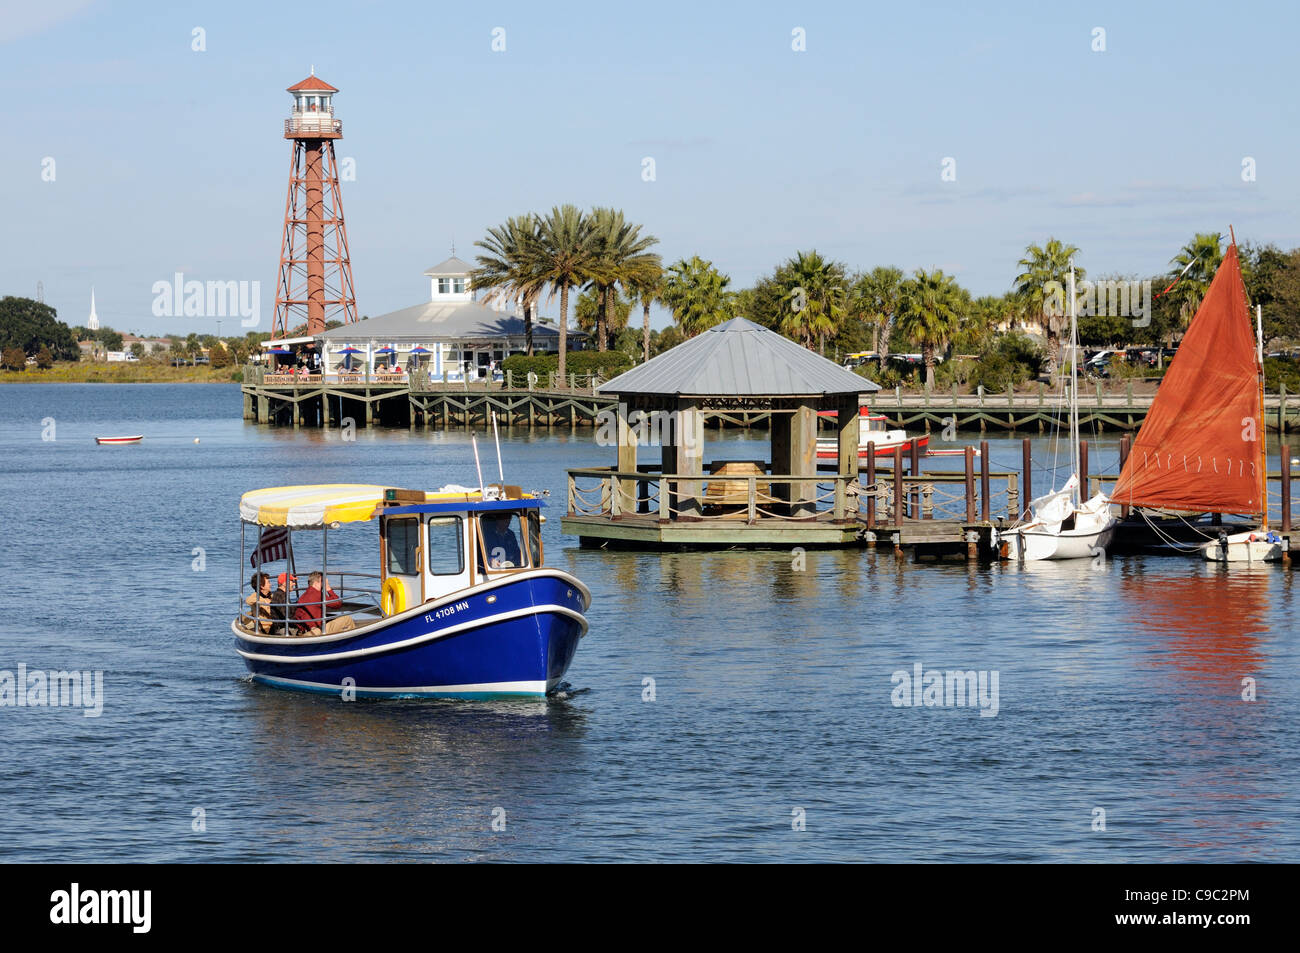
x=312, y=82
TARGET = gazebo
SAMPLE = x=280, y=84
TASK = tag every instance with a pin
x=683, y=499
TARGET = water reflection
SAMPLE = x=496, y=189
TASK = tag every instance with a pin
x=441, y=767
x=1206, y=626
x=1209, y=620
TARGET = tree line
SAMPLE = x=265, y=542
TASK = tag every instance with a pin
x=823, y=304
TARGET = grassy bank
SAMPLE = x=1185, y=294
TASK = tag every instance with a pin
x=88, y=373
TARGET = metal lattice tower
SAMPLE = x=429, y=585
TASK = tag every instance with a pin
x=315, y=282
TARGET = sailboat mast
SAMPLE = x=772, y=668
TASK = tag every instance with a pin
x=1074, y=393
x=1263, y=434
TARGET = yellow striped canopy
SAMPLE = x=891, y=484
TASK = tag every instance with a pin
x=305, y=507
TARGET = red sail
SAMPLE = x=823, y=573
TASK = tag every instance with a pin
x=1198, y=448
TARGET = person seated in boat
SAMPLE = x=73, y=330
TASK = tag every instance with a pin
x=260, y=597
x=500, y=542
x=282, y=603
x=309, y=612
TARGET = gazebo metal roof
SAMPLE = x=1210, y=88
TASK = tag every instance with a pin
x=739, y=359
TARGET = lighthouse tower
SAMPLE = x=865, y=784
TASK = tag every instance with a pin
x=315, y=283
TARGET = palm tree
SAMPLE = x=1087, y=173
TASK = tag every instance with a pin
x=1043, y=270
x=930, y=314
x=510, y=267
x=1201, y=257
x=621, y=258
x=877, y=294
x=817, y=294
x=696, y=293
x=565, y=255
x=647, y=288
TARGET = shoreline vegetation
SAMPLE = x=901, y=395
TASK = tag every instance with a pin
x=85, y=372
x=922, y=333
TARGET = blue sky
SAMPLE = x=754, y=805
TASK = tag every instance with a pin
x=168, y=160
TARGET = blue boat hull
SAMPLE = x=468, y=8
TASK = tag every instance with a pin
x=508, y=638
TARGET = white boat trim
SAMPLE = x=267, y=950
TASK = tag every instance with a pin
x=405, y=643
x=539, y=687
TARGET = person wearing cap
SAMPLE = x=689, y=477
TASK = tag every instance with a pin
x=309, y=612
x=282, y=602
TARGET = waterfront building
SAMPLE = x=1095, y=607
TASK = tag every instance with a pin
x=451, y=333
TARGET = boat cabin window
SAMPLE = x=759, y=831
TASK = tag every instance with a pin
x=403, y=538
x=446, y=545
x=501, y=540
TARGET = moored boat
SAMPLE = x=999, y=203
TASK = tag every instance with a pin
x=872, y=429
x=463, y=605
x=1061, y=524
x=110, y=440
x=1201, y=447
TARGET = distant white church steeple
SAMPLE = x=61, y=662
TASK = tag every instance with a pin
x=93, y=321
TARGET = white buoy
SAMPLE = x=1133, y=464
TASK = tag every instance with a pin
x=196, y=439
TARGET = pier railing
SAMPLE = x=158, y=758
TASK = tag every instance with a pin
x=887, y=498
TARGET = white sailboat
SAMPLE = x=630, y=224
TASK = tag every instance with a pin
x=1060, y=524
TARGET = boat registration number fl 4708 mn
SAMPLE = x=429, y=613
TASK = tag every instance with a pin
x=459, y=602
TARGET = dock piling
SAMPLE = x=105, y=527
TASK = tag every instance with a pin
x=984, y=481
x=1286, y=488
x=898, y=486
x=970, y=484
x=1027, y=466
x=871, y=483
x=1125, y=444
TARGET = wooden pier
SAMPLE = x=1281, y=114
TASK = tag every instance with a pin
x=417, y=400
x=898, y=505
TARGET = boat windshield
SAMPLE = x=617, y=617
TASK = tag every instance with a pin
x=509, y=539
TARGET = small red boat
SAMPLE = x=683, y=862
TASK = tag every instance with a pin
x=872, y=428
x=135, y=439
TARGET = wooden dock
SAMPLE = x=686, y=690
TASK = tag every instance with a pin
x=901, y=506
x=906, y=508
x=418, y=401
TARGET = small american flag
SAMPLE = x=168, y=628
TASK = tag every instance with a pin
x=273, y=545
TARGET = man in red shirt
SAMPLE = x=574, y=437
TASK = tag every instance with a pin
x=310, y=606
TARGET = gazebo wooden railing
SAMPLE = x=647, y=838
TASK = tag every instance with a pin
x=605, y=493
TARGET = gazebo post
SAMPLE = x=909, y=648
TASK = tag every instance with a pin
x=626, y=456
x=779, y=444
x=690, y=455
x=669, y=429
x=803, y=457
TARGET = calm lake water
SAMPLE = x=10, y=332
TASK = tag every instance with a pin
x=1119, y=690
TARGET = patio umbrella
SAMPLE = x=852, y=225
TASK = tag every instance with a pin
x=347, y=353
